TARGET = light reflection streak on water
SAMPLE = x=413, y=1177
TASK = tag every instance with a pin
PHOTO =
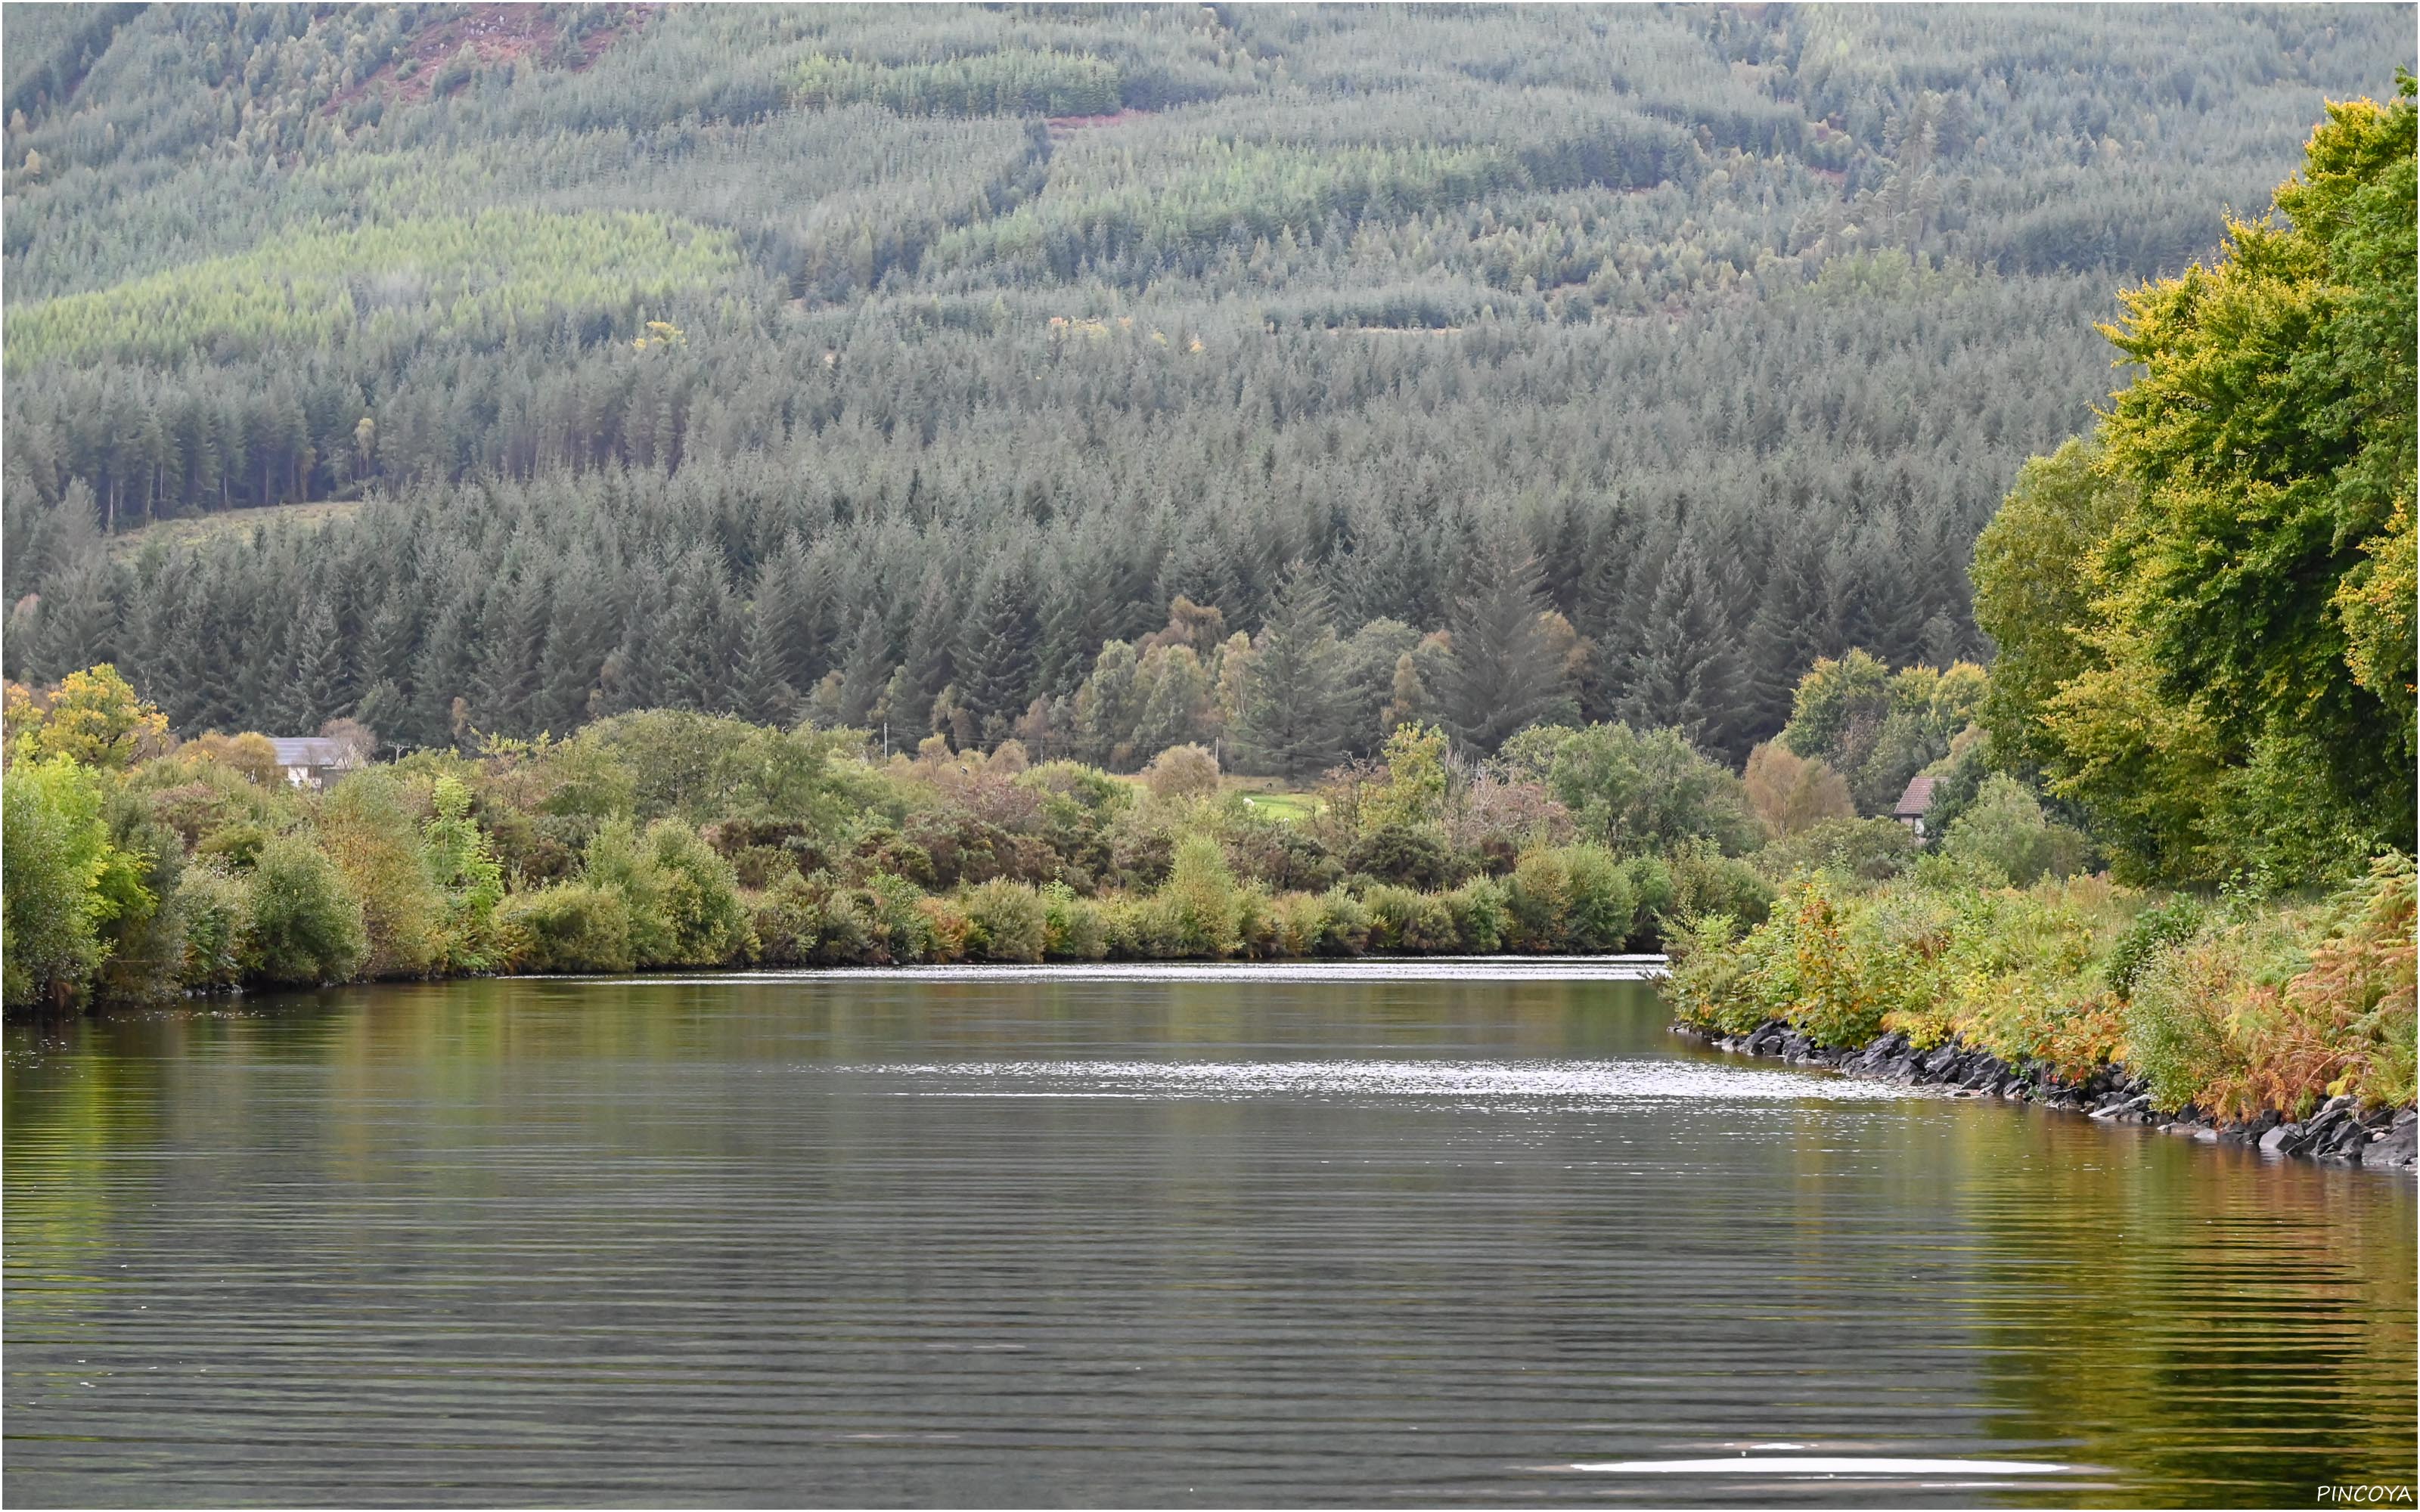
x=1476, y=969
x=1559, y=1081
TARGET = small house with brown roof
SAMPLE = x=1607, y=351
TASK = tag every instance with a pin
x=1914, y=804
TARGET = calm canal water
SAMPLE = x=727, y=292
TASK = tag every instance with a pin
x=1232, y=1240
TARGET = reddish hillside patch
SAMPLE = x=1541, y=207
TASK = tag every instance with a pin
x=495, y=34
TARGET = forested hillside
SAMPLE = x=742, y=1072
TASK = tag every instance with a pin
x=1044, y=370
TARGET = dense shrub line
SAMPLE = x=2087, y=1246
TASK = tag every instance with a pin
x=2231, y=1005
x=139, y=866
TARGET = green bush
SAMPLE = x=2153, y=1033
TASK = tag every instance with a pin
x=1415, y=923
x=1865, y=849
x=1331, y=923
x=1409, y=856
x=1706, y=882
x=1538, y=902
x=700, y=897
x=1008, y=922
x=1602, y=909
x=902, y=933
x=2005, y=835
x=1646, y=790
x=2176, y=1030
x=848, y=933
x=1200, y=901
x=682, y=898
x=786, y=920
x=366, y=827
x=1652, y=888
x=567, y=926
x=1478, y=915
x=1073, y=928
x=145, y=938
x=212, y=906
x=57, y=861
x=1712, y=982
x=305, y=927
x=2153, y=931
x=470, y=880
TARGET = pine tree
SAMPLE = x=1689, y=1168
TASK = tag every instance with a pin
x=583, y=634
x=447, y=668
x=865, y=670
x=317, y=692
x=79, y=619
x=931, y=663
x=702, y=634
x=1503, y=674
x=632, y=676
x=1292, y=687
x=787, y=614
x=996, y=662
x=1685, y=674
x=759, y=692
x=511, y=670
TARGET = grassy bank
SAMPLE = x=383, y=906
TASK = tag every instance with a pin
x=2230, y=1005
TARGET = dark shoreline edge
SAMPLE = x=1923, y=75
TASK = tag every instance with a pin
x=2338, y=1134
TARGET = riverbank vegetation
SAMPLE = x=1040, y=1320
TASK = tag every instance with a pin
x=2204, y=616
x=139, y=866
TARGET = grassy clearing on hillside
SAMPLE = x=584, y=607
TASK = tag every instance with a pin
x=196, y=529
x=478, y=277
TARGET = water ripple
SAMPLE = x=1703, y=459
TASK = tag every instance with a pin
x=1482, y=1081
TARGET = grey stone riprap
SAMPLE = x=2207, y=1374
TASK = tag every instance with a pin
x=2338, y=1131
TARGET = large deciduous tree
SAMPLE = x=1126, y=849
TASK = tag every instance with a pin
x=2209, y=628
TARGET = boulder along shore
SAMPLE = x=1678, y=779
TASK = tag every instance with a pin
x=2338, y=1132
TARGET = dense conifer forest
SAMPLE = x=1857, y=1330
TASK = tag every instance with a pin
x=1112, y=379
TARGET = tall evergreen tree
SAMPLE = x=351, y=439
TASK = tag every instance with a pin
x=1503, y=674
x=317, y=692
x=995, y=664
x=866, y=669
x=512, y=651
x=759, y=691
x=930, y=662
x=1686, y=675
x=1291, y=722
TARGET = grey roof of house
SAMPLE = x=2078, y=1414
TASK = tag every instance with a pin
x=1916, y=800
x=307, y=750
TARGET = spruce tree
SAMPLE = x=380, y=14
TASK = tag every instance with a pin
x=866, y=669
x=995, y=665
x=512, y=651
x=1685, y=674
x=587, y=625
x=702, y=634
x=1503, y=673
x=787, y=614
x=930, y=663
x=758, y=690
x=1293, y=686
x=317, y=692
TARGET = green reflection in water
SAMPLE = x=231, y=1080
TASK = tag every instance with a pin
x=527, y=1200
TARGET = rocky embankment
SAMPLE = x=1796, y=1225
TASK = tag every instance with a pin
x=2338, y=1132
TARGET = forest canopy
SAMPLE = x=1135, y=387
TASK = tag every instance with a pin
x=1035, y=371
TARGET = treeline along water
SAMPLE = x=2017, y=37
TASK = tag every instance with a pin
x=895, y=1239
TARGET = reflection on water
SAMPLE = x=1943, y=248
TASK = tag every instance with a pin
x=1489, y=1083
x=1139, y=1240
